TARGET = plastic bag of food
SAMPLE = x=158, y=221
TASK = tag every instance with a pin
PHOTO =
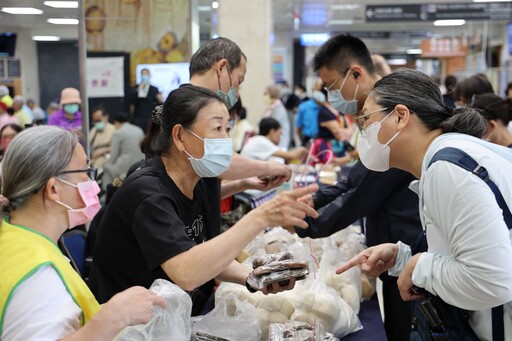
x=172, y=323
x=279, y=267
x=318, y=302
x=231, y=319
x=266, y=259
x=299, y=331
x=281, y=277
x=347, y=284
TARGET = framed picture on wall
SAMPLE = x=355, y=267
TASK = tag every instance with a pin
x=2, y=68
x=14, y=68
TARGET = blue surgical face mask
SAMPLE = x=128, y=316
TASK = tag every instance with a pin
x=145, y=78
x=71, y=108
x=339, y=103
x=230, y=97
x=216, y=159
x=100, y=125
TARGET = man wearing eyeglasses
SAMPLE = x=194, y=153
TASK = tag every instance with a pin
x=345, y=66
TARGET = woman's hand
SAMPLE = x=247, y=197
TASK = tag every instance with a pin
x=285, y=209
x=405, y=280
x=130, y=307
x=373, y=260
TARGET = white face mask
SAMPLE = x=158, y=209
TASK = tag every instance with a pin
x=216, y=159
x=373, y=154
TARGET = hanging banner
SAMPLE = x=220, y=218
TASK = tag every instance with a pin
x=105, y=77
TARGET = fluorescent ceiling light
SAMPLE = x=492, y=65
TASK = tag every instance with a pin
x=397, y=61
x=61, y=4
x=456, y=22
x=63, y=21
x=21, y=10
x=414, y=51
x=215, y=5
x=45, y=38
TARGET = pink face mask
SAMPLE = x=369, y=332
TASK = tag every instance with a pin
x=89, y=192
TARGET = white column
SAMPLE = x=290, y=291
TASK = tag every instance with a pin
x=249, y=24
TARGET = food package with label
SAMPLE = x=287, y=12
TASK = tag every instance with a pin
x=276, y=268
x=299, y=331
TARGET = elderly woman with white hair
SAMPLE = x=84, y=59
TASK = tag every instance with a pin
x=46, y=189
x=276, y=110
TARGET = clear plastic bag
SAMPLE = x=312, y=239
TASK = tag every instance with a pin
x=231, y=319
x=299, y=331
x=318, y=302
x=172, y=323
x=347, y=284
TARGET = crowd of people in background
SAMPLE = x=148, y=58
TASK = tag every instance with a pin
x=187, y=152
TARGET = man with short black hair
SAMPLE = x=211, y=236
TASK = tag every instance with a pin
x=391, y=209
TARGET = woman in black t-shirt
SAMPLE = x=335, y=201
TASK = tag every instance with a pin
x=159, y=223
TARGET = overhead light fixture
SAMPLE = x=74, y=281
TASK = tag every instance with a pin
x=61, y=4
x=215, y=5
x=455, y=22
x=63, y=21
x=21, y=10
x=45, y=38
x=397, y=61
x=414, y=51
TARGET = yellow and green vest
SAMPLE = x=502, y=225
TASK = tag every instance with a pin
x=23, y=251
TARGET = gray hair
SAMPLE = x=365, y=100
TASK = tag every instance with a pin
x=33, y=157
x=213, y=51
x=274, y=91
x=421, y=95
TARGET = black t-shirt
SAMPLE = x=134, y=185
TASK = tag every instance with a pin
x=148, y=221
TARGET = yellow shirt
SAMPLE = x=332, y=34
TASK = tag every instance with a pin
x=22, y=252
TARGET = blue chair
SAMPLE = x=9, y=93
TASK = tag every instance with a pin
x=72, y=245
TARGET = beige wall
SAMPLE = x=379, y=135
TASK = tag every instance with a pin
x=249, y=24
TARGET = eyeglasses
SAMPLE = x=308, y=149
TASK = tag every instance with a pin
x=361, y=120
x=91, y=172
x=329, y=88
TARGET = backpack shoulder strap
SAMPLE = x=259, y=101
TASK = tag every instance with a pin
x=462, y=159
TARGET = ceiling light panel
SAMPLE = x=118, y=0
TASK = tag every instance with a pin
x=21, y=10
